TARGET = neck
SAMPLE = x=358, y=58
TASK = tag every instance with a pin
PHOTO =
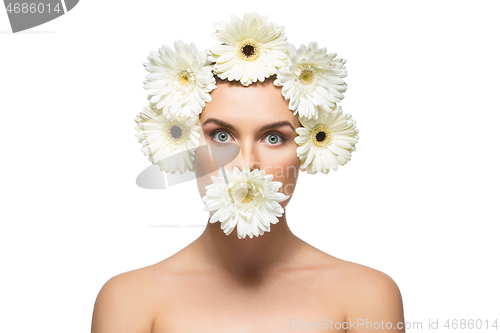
x=248, y=256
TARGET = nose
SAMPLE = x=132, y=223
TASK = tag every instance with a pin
x=248, y=155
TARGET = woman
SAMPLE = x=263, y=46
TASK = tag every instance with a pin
x=249, y=279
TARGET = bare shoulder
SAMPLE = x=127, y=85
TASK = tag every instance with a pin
x=362, y=294
x=369, y=296
x=125, y=303
x=360, y=279
x=355, y=278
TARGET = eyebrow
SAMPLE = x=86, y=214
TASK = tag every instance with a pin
x=231, y=127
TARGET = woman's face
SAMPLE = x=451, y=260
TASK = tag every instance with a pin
x=256, y=119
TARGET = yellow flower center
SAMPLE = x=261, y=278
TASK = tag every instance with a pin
x=184, y=80
x=321, y=136
x=243, y=194
x=185, y=76
x=307, y=76
x=248, y=49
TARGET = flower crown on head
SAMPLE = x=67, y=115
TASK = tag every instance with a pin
x=180, y=81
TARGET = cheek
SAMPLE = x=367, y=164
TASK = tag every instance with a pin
x=284, y=165
x=203, y=167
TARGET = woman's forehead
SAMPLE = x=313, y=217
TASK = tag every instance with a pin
x=259, y=102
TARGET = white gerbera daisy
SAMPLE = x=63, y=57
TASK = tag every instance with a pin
x=312, y=80
x=252, y=49
x=326, y=142
x=169, y=141
x=180, y=80
x=338, y=65
x=245, y=200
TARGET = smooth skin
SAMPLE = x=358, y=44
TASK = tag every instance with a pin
x=272, y=283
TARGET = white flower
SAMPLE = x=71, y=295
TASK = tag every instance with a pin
x=312, y=80
x=252, y=49
x=245, y=200
x=326, y=142
x=338, y=65
x=180, y=80
x=169, y=141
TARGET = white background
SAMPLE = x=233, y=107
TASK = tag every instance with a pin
x=419, y=200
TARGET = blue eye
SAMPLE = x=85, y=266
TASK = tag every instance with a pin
x=273, y=139
x=221, y=136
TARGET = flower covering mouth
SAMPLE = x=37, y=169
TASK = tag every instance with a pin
x=247, y=201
